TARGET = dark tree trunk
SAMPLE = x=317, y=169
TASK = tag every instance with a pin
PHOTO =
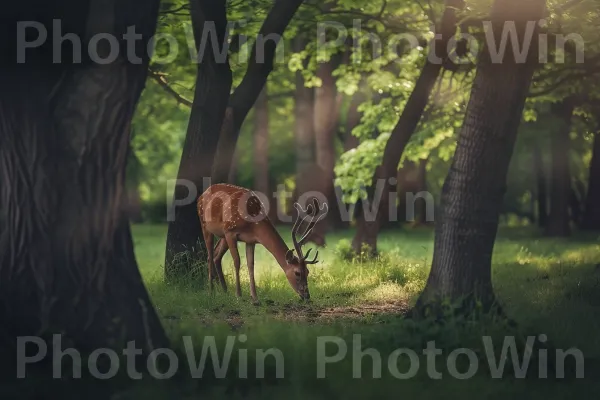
x=67, y=264
x=326, y=116
x=211, y=96
x=233, y=172
x=541, y=193
x=134, y=204
x=591, y=216
x=412, y=180
x=420, y=205
x=304, y=132
x=368, y=229
x=559, y=220
x=351, y=142
x=473, y=192
x=575, y=205
x=261, y=144
x=261, y=152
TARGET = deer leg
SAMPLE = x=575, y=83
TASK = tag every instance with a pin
x=208, y=240
x=220, y=251
x=232, y=243
x=250, y=259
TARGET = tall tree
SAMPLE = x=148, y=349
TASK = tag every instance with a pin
x=412, y=179
x=308, y=171
x=367, y=231
x=472, y=194
x=261, y=151
x=67, y=263
x=541, y=193
x=591, y=217
x=326, y=116
x=213, y=83
x=216, y=119
x=559, y=220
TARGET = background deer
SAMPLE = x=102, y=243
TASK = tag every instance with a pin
x=235, y=214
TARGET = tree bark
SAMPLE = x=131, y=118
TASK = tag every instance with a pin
x=261, y=152
x=420, y=205
x=559, y=220
x=233, y=172
x=412, y=179
x=211, y=96
x=367, y=230
x=304, y=132
x=326, y=116
x=67, y=264
x=541, y=192
x=472, y=194
x=350, y=141
x=591, y=217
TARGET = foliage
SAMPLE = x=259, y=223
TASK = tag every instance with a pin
x=383, y=79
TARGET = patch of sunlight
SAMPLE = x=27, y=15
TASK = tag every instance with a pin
x=582, y=255
x=526, y=257
x=385, y=292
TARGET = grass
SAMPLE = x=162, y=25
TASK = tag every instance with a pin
x=549, y=286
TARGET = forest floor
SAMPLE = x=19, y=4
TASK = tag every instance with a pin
x=548, y=286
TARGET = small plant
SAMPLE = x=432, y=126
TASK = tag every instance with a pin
x=343, y=250
x=187, y=268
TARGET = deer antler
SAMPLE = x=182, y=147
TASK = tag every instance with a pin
x=316, y=217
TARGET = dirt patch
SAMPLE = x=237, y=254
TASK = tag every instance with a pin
x=323, y=314
x=303, y=313
x=234, y=320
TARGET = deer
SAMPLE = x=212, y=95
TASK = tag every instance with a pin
x=240, y=216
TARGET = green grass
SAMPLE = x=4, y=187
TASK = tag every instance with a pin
x=549, y=286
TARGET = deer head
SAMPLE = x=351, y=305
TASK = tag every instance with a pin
x=297, y=272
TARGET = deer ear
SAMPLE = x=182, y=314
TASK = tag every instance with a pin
x=289, y=256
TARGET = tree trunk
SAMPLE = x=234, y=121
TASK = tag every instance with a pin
x=367, y=230
x=420, y=204
x=326, y=115
x=134, y=205
x=232, y=178
x=559, y=220
x=473, y=191
x=67, y=264
x=412, y=180
x=540, y=177
x=350, y=141
x=213, y=83
x=261, y=152
x=591, y=217
x=307, y=169
x=304, y=132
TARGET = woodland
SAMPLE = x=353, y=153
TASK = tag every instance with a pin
x=455, y=142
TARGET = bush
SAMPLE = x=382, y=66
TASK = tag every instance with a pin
x=343, y=250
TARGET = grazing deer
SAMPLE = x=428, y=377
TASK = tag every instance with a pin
x=235, y=214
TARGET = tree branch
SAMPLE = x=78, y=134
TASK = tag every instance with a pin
x=160, y=79
x=260, y=66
